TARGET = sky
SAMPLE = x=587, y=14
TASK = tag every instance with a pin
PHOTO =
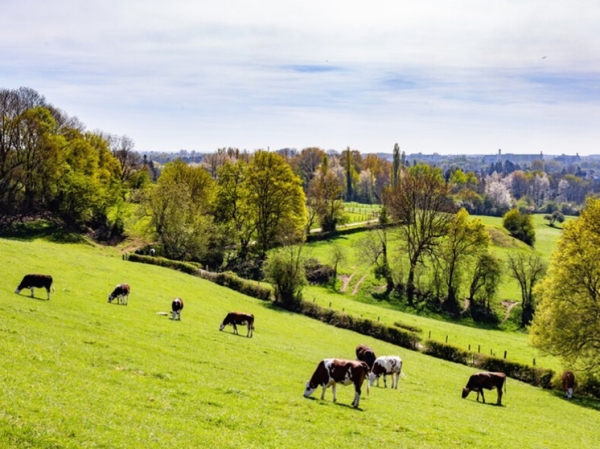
x=452, y=77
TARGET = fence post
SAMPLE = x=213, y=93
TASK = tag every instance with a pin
x=430, y=335
x=534, y=362
x=446, y=339
x=478, y=349
x=378, y=319
x=469, y=347
x=504, y=354
x=330, y=305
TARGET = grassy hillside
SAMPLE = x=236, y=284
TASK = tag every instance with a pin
x=79, y=372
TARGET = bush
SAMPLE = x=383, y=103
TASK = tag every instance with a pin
x=408, y=327
x=317, y=273
x=446, y=352
x=520, y=226
x=539, y=377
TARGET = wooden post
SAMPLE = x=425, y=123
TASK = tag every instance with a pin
x=504, y=354
x=330, y=305
x=378, y=319
x=430, y=335
x=469, y=347
x=446, y=339
x=478, y=349
x=534, y=362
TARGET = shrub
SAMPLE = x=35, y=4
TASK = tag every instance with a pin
x=317, y=273
x=539, y=377
x=408, y=327
x=520, y=226
x=446, y=352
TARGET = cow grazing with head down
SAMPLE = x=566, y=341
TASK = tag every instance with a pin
x=479, y=381
x=241, y=318
x=568, y=381
x=32, y=281
x=121, y=292
x=387, y=364
x=365, y=354
x=331, y=372
x=176, y=308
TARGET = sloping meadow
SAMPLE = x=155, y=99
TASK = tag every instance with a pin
x=77, y=371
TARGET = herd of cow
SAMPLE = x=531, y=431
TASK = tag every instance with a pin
x=329, y=372
x=121, y=294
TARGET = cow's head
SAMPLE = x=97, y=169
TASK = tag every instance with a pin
x=222, y=326
x=309, y=389
x=110, y=298
x=465, y=392
x=372, y=378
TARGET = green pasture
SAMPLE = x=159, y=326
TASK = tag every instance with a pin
x=79, y=372
x=358, y=213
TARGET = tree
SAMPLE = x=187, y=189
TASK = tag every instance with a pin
x=487, y=272
x=566, y=322
x=466, y=238
x=307, y=163
x=179, y=207
x=337, y=256
x=396, y=166
x=520, y=226
x=276, y=201
x=284, y=268
x=325, y=193
x=554, y=217
x=374, y=247
x=527, y=269
x=421, y=203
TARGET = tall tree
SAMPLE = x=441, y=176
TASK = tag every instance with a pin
x=527, y=269
x=396, y=166
x=421, y=203
x=566, y=323
x=466, y=238
x=486, y=276
x=274, y=194
x=325, y=194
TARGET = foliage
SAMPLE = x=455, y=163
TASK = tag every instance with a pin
x=446, y=352
x=487, y=273
x=317, y=273
x=284, y=268
x=325, y=195
x=556, y=216
x=540, y=377
x=179, y=207
x=566, y=322
x=520, y=226
x=466, y=238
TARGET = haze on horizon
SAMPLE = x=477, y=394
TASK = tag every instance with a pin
x=464, y=77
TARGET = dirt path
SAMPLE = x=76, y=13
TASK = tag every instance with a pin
x=355, y=290
x=509, y=306
x=345, y=281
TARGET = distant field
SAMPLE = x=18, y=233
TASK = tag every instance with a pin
x=79, y=372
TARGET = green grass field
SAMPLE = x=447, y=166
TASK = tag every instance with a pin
x=79, y=372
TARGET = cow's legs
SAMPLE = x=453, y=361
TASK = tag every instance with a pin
x=569, y=393
x=384, y=380
x=334, y=395
x=482, y=396
x=48, y=292
x=499, y=395
x=356, y=398
x=323, y=392
x=397, y=376
x=249, y=333
x=31, y=288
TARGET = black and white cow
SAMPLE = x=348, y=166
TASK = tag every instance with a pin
x=241, y=318
x=387, y=364
x=121, y=292
x=331, y=372
x=478, y=381
x=176, y=308
x=32, y=281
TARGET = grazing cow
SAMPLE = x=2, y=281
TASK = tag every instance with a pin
x=387, y=364
x=479, y=381
x=365, y=354
x=568, y=381
x=176, y=308
x=32, y=281
x=121, y=292
x=331, y=372
x=152, y=252
x=235, y=318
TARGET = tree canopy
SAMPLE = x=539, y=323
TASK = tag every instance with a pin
x=567, y=320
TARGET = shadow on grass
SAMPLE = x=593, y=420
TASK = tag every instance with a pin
x=42, y=229
x=580, y=401
x=34, y=297
x=326, y=402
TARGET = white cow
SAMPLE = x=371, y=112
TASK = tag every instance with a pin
x=387, y=364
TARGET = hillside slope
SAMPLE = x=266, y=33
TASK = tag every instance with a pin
x=79, y=372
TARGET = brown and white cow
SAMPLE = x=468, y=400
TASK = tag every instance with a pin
x=479, y=381
x=387, y=364
x=241, y=318
x=331, y=372
x=32, y=281
x=176, y=308
x=365, y=354
x=121, y=292
x=568, y=381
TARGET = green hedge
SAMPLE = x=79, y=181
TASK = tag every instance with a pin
x=227, y=279
x=363, y=326
x=446, y=352
x=540, y=377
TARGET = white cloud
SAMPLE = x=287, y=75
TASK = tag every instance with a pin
x=462, y=76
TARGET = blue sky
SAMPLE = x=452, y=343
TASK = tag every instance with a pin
x=432, y=75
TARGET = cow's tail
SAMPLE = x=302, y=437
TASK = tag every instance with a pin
x=404, y=376
x=367, y=370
